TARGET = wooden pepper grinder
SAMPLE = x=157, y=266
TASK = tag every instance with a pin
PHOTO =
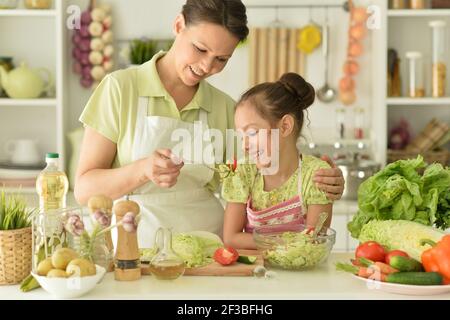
x=127, y=266
x=104, y=204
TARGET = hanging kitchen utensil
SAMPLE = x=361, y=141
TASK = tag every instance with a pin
x=310, y=36
x=326, y=94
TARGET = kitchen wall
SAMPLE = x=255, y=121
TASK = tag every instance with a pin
x=153, y=19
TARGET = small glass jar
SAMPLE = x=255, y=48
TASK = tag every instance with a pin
x=417, y=4
x=359, y=124
x=94, y=250
x=8, y=4
x=38, y=4
x=340, y=123
x=397, y=4
x=439, y=57
x=416, y=86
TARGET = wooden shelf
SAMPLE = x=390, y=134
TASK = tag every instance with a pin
x=408, y=13
x=27, y=13
x=404, y=101
x=28, y=102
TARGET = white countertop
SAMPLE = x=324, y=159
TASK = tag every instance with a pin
x=322, y=283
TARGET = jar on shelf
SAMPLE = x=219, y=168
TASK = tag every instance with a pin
x=416, y=85
x=340, y=124
x=397, y=4
x=417, y=4
x=439, y=57
x=38, y=4
x=359, y=124
x=8, y=4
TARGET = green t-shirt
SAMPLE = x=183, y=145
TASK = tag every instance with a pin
x=112, y=109
x=246, y=182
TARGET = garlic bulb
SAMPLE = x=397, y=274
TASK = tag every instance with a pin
x=96, y=58
x=108, y=51
x=96, y=29
x=97, y=44
x=107, y=22
x=107, y=37
x=108, y=65
x=98, y=73
x=98, y=14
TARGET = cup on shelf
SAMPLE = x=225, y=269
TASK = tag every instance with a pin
x=23, y=151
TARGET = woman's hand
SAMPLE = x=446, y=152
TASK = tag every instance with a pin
x=330, y=180
x=162, y=168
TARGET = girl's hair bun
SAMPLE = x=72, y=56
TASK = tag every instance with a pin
x=299, y=87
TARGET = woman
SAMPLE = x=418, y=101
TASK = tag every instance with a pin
x=131, y=115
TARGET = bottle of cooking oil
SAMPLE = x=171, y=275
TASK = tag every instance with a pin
x=52, y=185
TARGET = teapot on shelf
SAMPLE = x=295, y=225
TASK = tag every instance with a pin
x=24, y=82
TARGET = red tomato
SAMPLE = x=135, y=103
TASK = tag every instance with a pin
x=371, y=250
x=394, y=253
x=226, y=256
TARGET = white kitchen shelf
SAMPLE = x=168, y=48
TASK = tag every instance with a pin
x=408, y=13
x=28, y=102
x=27, y=13
x=418, y=101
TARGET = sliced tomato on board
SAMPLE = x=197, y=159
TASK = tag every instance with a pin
x=226, y=256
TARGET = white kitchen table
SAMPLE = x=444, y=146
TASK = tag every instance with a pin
x=322, y=283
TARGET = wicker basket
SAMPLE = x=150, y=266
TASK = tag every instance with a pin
x=15, y=255
x=439, y=156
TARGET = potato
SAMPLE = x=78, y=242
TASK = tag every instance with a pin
x=81, y=268
x=100, y=202
x=122, y=207
x=44, y=267
x=56, y=273
x=62, y=257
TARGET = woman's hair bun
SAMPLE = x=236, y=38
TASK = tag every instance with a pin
x=296, y=85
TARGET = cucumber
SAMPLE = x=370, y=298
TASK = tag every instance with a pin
x=405, y=264
x=415, y=278
x=247, y=259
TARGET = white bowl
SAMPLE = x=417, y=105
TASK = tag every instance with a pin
x=67, y=288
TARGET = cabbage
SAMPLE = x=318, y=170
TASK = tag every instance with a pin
x=195, y=248
x=400, y=235
x=298, y=250
x=399, y=192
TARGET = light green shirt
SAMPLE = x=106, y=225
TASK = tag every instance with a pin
x=246, y=182
x=112, y=109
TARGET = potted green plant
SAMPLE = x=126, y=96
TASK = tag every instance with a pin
x=142, y=50
x=15, y=239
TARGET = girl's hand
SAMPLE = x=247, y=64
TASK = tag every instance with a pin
x=330, y=180
x=162, y=168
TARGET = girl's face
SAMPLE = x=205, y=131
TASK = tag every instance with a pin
x=257, y=134
x=201, y=50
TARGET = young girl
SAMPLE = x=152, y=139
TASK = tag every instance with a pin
x=289, y=196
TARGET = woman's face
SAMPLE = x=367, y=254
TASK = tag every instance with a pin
x=257, y=134
x=201, y=50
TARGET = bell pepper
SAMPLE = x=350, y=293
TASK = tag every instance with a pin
x=437, y=258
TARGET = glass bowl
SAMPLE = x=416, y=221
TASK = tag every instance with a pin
x=293, y=247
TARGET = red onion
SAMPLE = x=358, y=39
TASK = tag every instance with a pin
x=86, y=18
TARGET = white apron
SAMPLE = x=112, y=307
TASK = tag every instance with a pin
x=187, y=206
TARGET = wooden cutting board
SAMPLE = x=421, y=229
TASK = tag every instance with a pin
x=215, y=269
